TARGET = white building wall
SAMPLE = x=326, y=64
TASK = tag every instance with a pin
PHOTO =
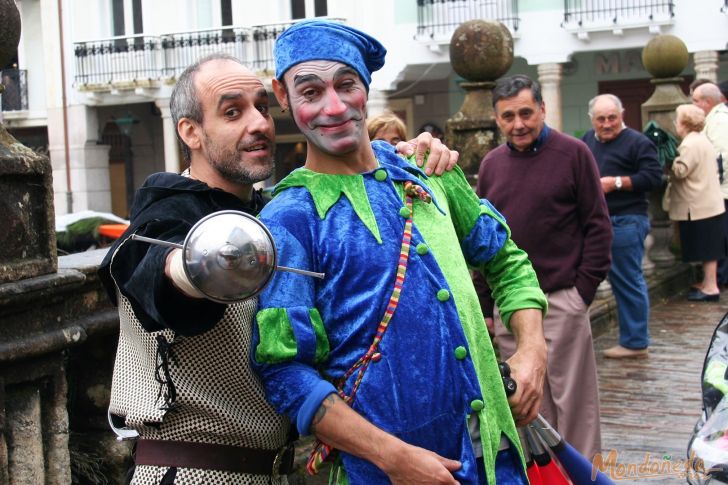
x=413, y=66
x=29, y=60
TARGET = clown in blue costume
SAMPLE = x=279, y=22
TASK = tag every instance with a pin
x=396, y=247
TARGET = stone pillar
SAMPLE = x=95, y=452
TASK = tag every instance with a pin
x=377, y=103
x=604, y=290
x=55, y=430
x=549, y=76
x=4, y=472
x=706, y=65
x=480, y=51
x=171, y=148
x=25, y=439
x=664, y=57
x=88, y=161
x=648, y=267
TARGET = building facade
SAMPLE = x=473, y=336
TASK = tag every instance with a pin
x=92, y=78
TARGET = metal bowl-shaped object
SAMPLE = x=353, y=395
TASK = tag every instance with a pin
x=229, y=256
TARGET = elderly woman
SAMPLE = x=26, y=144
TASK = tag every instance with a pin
x=696, y=201
x=387, y=127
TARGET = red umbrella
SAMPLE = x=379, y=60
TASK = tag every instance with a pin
x=550, y=472
x=579, y=469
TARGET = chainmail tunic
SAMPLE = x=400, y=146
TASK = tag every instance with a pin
x=218, y=397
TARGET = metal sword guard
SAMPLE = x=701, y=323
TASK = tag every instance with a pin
x=229, y=256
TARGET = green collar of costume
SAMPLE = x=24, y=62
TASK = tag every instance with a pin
x=326, y=189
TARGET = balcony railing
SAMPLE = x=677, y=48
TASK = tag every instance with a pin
x=616, y=15
x=182, y=49
x=133, y=59
x=437, y=19
x=142, y=61
x=15, y=95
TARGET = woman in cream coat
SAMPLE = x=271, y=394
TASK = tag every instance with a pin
x=696, y=201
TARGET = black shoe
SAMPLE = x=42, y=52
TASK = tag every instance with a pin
x=697, y=295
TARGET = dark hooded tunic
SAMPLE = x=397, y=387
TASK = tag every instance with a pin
x=182, y=369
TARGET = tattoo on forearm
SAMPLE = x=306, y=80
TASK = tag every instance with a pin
x=321, y=412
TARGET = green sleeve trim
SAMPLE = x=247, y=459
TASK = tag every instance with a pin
x=464, y=204
x=322, y=340
x=277, y=342
x=517, y=284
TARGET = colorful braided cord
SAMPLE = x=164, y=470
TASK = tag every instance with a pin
x=321, y=451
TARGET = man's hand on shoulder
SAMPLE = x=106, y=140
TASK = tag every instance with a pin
x=430, y=152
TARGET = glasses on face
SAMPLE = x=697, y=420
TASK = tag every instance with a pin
x=603, y=119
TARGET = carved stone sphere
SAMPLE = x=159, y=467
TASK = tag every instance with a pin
x=481, y=50
x=9, y=30
x=665, y=56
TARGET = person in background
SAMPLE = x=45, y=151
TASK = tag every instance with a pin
x=708, y=98
x=696, y=201
x=697, y=82
x=629, y=168
x=547, y=186
x=388, y=127
x=723, y=86
x=433, y=130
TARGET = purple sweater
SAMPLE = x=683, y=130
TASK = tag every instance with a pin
x=553, y=202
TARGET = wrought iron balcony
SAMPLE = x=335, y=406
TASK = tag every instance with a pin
x=15, y=95
x=600, y=15
x=145, y=61
x=438, y=19
x=132, y=60
x=182, y=49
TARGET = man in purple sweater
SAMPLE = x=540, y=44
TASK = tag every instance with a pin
x=547, y=186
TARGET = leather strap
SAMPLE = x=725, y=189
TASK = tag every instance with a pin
x=236, y=459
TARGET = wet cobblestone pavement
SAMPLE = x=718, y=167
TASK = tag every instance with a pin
x=650, y=406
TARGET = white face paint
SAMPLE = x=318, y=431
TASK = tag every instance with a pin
x=328, y=103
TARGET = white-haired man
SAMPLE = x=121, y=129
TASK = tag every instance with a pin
x=629, y=168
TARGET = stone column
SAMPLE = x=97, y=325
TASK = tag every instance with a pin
x=604, y=290
x=171, y=148
x=664, y=57
x=480, y=51
x=377, y=102
x=24, y=435
x=88, y=161
x=706, y=65
x=55, y=430
x=648, y=267
x=549, y=76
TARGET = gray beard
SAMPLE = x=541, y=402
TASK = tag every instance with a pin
x=232, y=171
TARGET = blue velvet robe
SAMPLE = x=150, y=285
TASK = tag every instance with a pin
x=437, y=363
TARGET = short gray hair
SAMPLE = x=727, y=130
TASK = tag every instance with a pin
x=709, y=91
x=615, y=100
x=184, y=102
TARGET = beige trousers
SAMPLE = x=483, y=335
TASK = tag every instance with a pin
x=571, y=396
